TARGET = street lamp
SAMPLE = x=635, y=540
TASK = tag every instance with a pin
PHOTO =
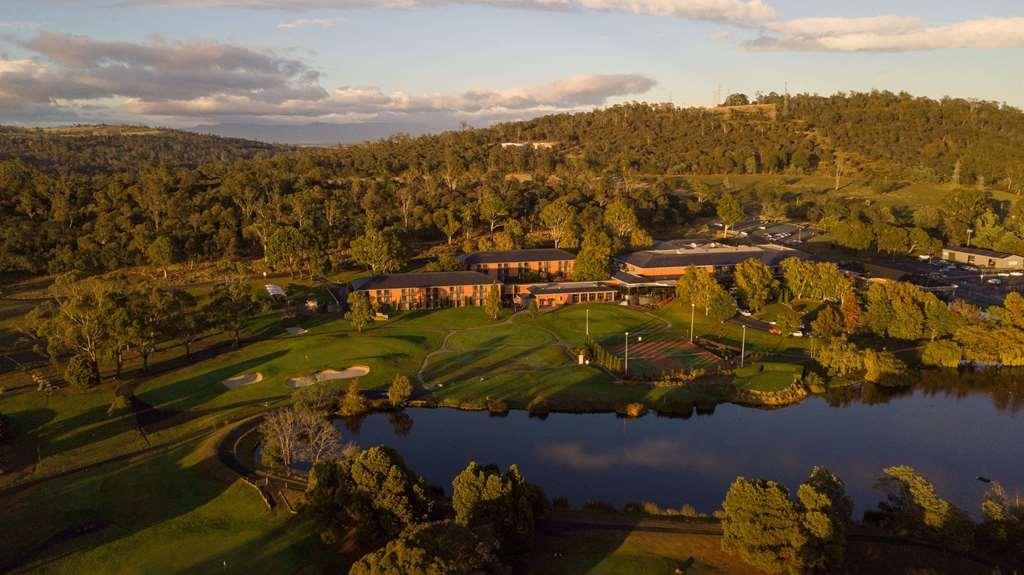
x=969, y=232
x=625, y=369
x=693, y=306
x=743, y=344
x=588, y=322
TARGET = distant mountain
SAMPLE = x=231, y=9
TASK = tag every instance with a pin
x=319, y=133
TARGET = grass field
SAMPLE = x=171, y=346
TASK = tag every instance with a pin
x=767, y=376
x=144, y=497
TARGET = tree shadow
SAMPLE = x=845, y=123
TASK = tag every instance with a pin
x=152, y=410
x=82, y=511
x=574, y=547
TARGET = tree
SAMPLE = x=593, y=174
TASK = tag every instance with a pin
x=1003, y=526
x=699, y=287
x=380, y=251
x=915, y=509
x=762, y=525
x=233, y=302
x=825, y=512
x=756, y=283
x=737, y=99
x=281, y=438
x=504, y=504
x=729, y=211
x=829, y=323
x=492, y=208
x=959, y=210
x=77, y=321
x=892, y=240
x=942, y=353
x=287, y=249
x=439, y=548
x=161, y=253
x=372, y=492
x=79, y=372
x=559, y=217
x=360, y=312
x=492, y=303
x=451, y=225
x=788, y=320
x=722, y=307
x=850, y=308
x=620, y=218
x=594, y=260
x=400, y=390
x=353, y=403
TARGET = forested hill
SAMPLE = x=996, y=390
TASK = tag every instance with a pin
x=90, y=149
x=889, y=135
x=99, y=198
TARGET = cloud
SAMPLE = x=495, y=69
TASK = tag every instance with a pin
x=648, y=453
x=205, y=80
x=321, y=22
x=711, y=10
x=887, y=34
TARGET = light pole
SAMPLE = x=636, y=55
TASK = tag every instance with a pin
x=693, y=307
x=743, y=345
x=625, y=365
x=588, y=322
x=969, y=232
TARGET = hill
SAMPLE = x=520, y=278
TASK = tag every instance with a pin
x=95, y=198
x=108, y=148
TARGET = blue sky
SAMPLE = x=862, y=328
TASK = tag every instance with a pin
x=189, y=62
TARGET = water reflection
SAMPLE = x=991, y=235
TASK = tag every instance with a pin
x=649, y=454
x=951, y=426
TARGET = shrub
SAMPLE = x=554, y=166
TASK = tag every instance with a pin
x=631, y=410
x=497, y=407
x=81, y=372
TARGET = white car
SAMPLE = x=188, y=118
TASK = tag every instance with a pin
x=797, y=333
x=1017, y=274
x=995, y=281
x=745, y=313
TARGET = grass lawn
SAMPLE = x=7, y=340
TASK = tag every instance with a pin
x=731, y=334
x=637, y=551
x=767, y=376
x=608, y=323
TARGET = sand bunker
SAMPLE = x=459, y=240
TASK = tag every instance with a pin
x=351, y=372
x=295, y=330
x=242, y=380
x=328, y=375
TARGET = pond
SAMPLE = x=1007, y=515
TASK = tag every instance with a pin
x=950, y=433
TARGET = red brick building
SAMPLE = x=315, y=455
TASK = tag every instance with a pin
x=427, y=290
x=523, y=266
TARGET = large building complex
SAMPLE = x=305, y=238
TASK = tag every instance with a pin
x=541, y=274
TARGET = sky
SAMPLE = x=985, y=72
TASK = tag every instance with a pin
x=183, y=63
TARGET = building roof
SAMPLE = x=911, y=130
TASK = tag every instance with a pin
x=570, y=287
x=531, y=255
x=632, y=280
x=980, y=252
x=710, y=255
x=422, y=280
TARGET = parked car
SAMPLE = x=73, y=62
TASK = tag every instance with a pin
x=995, y=281
x=745, y=313
x=797, y=333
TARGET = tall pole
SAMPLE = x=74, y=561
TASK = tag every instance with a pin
x=626, y=365
x=588, y=322
x=969, y=232
x=743, y=345
x=693, y=306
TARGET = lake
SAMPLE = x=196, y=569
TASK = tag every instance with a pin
x=951, y=434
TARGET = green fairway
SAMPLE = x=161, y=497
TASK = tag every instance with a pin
x=608, y=323
x=767, y=376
